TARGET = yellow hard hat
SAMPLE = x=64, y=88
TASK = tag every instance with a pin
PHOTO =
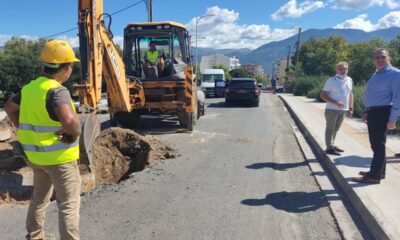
x=56, y=52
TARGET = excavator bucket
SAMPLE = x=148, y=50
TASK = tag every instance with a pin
x=90, y=130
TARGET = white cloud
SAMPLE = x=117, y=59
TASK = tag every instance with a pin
x=391, y=19
x=4, y=39
x=361, y=4
x=359, y=22
x=221, y=30
x=74, y=41
x=293, y=10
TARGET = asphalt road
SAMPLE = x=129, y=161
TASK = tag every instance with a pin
x=239, y=175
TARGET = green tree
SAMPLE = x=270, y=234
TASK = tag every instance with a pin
x=19, y=63
x=394, y=49
x=240, y=73
x=226, y=70
x=319, y=56
x=360, y=60
x=262, y=79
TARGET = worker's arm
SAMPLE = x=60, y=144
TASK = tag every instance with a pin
x=70, y=123
x=12, y=110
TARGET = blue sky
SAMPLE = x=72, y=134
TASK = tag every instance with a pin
x=234, y=24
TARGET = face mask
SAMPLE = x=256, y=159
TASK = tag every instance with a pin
x=341, y=76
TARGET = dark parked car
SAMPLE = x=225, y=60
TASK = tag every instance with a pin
x=243, y=90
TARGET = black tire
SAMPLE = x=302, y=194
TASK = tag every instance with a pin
x=127, y=119
x=256, y=104
x=113, y=121
x=200, y=109
x=187, y=119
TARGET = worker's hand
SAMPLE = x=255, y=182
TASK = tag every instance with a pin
x=390, y=126
x=65, y=138
x=340, y=104
x=349, y=113
x=364, y=117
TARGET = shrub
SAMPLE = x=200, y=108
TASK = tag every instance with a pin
x=315, y=93
x=291, y=86
x=358, y=99
x=307, y=83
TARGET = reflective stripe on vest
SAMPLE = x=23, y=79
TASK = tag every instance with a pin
x=42, y=129
x=152, y=56
x=37, y=132
x=56, y=147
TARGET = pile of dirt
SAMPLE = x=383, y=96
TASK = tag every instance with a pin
x=10, y=150
x=12, y=186
x=13, y=169
x=118, y=152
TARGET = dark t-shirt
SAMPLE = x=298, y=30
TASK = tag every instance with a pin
x=55, y=97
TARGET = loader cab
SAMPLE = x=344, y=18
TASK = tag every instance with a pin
x=171, y=41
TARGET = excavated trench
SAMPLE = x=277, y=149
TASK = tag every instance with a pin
x=126, y=152
x=116, y=153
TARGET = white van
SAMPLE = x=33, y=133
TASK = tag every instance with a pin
x=208, y=81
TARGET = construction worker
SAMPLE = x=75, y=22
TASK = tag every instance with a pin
x=153, y=57
x=48, y=131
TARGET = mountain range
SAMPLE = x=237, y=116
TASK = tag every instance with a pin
x=269, y=53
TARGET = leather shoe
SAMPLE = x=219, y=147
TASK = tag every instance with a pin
x=332, y=152
x=366, y=179
x=337, y=149
x=365, y=173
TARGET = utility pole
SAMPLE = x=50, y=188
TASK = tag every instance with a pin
x=288, y=58
x=198, y=18
x=149, y=10
x=298, y=46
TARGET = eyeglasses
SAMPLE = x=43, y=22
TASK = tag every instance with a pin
x=380, y=57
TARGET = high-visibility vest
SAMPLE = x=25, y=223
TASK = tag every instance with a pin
x=152, y=56
x=37, y=131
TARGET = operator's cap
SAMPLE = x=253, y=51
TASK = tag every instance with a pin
x=56, y=52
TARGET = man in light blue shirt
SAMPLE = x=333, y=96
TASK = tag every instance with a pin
x=381, y=109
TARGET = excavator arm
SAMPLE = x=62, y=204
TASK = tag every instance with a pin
x=100, y=61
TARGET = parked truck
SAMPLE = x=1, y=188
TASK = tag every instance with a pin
x=210, y=77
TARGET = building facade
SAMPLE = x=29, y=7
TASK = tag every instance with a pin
x=256, y=69
x=208, y=61
x=279, y=71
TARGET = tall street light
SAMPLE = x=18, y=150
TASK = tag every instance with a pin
x=198, y=18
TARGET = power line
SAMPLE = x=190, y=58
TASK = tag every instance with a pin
x=137, y=3
x=72, y=29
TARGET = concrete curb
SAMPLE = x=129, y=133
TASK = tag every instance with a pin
x=364, y=220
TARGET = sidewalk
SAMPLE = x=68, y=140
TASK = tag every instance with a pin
x=382, y=200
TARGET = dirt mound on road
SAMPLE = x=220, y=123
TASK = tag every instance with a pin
x=118, y=152
x=10, y=150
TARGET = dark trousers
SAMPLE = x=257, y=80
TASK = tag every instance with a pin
x=377, y=131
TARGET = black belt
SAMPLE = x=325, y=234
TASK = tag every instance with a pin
x=378, y=107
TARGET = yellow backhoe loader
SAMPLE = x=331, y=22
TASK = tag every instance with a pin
x=134, y=84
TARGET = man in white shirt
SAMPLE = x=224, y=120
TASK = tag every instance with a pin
x=338, y=94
